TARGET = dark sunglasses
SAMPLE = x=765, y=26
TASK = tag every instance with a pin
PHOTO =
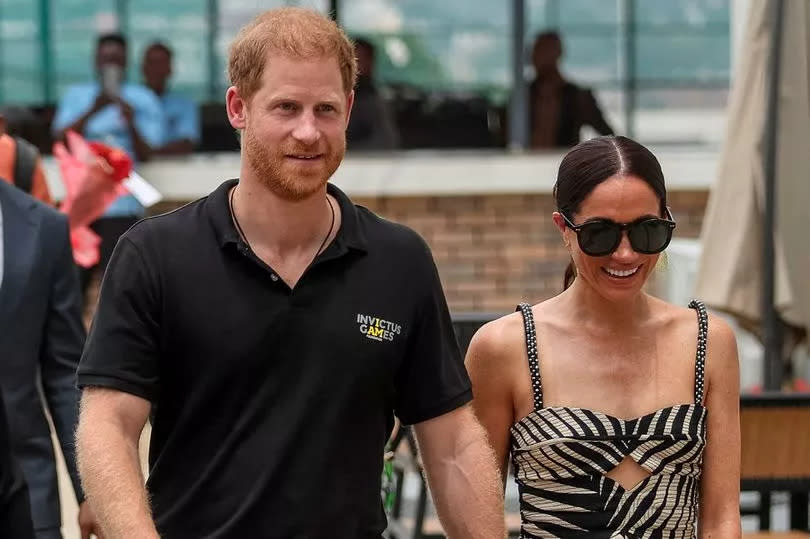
x=601, y=237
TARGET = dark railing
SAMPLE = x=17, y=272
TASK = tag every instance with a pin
x=466, y=324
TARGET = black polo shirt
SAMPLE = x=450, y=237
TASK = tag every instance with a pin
x=272, y=405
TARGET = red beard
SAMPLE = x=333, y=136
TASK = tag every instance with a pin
x=283, y=176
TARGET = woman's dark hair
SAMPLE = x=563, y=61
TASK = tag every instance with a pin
x=591, y=162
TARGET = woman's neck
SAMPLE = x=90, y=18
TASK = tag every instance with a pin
x=594, y=311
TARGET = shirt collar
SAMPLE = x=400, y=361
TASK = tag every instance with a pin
x=351, y=233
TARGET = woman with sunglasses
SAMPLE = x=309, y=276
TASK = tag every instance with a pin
x=620, y=411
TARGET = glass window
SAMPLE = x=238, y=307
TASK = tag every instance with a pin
x=427, y=50
x=183, y=26
x=693, y=13
x=450, y=45
x=20, y=52
x=574, y=13
x=75, y=25
x=679, y=59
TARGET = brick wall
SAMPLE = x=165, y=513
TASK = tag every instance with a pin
x=494, y=251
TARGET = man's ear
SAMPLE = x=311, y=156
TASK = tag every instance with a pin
x=236, y=107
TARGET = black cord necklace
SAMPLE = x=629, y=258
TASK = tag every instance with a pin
x=244, y=238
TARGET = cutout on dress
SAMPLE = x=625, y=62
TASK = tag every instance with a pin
x=628, y=474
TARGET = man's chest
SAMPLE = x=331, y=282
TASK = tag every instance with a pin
x=343, y=329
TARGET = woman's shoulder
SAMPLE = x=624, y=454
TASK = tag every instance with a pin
x=496, y=338
x=721, y=347
x=721, y=363
x=497, y=356
x=720, y=339
x=504, y=338
x=669, y=313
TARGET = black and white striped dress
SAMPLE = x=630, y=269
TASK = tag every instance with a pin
x=561, y=456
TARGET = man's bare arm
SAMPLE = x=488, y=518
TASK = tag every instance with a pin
x=463, y=475
x=110, y=425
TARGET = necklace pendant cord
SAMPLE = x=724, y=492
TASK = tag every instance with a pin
x=244, y=238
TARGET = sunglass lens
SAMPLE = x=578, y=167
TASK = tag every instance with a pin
x=599, y=239
x=651, y=236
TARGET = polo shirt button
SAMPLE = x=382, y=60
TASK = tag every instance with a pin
x=273, y=277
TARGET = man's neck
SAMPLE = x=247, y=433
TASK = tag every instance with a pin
x=551, y=77
x=159, y=90
x=279, y=226
x=592, y=310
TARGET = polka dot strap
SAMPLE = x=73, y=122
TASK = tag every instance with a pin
x=700, y=359
x=531, y=348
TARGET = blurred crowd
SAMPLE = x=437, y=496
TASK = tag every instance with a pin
x=156, y=120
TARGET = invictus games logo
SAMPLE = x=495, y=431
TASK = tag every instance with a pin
x=377, y=329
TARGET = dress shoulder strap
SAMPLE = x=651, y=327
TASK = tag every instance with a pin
x=700, y=356
x=531, y=348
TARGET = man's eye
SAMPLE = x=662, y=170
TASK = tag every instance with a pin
x=327, y=108
x=287, y=106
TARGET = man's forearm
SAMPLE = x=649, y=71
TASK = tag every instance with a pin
x=77, y=126
x=729, y=529
x=112, y=480
x=472, y=481
x=143, y=151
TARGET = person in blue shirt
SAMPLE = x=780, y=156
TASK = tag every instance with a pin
x=121, y=114
x=182, y=115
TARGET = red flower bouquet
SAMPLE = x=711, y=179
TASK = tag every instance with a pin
x=92, y=174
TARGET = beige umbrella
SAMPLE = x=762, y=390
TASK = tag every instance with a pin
x=732, y=272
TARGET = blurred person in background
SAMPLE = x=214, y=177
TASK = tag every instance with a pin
x=120, y=114
x=270, y=419
x=372, y=125
x=558, y=108
x=620, y=411
x=21, y=164
x=181, y=114
x=40, y=345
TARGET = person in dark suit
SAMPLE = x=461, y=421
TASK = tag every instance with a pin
x=40, y=345
x=15, y=511
x=558, y=108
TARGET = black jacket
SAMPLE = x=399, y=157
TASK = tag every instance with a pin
x=15, y=512
x=40, y=344
x=578, y=107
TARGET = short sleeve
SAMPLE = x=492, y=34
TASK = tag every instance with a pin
x=149, y=119
x=122, y=347
x=70, y=109
x=432, y=379
x=186, y=121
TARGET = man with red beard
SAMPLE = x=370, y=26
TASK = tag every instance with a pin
x=273, y=330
